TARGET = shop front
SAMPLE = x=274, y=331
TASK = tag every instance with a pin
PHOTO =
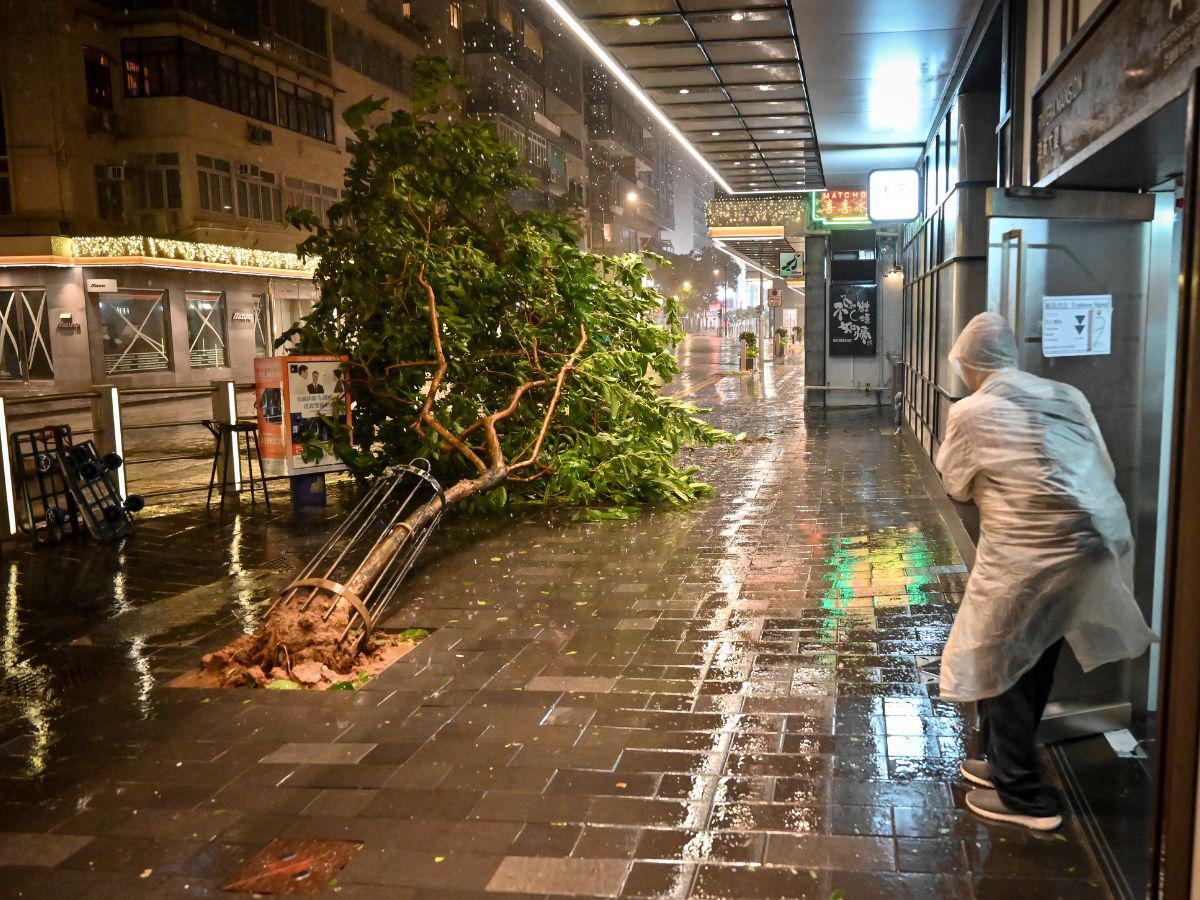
x=1088, y=242
x=71, y=320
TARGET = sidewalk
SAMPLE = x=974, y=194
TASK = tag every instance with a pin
x=728, y=701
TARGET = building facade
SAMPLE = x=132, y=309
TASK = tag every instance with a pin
x=525, y=77
x=149, y=150
x=630, y=199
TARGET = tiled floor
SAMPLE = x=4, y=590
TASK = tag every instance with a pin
x=729, y=701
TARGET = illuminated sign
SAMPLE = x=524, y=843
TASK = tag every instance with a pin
x=840, y=209
x=894, y=195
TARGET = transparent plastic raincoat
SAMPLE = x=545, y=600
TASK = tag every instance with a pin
x=1055, y=546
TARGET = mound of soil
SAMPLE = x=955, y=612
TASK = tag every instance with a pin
x=302, y=647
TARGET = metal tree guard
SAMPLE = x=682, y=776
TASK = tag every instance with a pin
x=348, y=568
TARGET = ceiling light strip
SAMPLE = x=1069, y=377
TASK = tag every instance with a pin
x=618, y=72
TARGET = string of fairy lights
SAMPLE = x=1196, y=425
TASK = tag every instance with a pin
x=120, y=246
x=729, y=212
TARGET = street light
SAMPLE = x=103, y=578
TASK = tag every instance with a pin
x=631, y=199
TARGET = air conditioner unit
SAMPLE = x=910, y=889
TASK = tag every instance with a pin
x=116, y=173
x=258, y=135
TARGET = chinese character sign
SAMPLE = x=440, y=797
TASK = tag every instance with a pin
x=853, y=310
x=832, y=209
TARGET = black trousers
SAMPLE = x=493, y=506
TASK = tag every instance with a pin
x=1008, y=727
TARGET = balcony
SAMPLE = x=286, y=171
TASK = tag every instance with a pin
x=391, y=14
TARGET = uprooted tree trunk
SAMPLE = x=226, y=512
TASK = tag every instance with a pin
x=302, y=634
x=426, y=218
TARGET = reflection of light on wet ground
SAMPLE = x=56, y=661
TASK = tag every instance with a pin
x=34, y=702
x=145, y=679
x=884, y=568
x=120, y=586
x=246, y=600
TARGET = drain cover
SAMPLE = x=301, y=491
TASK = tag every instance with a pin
x=298, y=866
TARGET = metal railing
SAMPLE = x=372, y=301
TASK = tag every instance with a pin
x=103, y=419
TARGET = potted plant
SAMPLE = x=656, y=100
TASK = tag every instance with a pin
x=749, y=342
x=797, y=334
x=780, y=342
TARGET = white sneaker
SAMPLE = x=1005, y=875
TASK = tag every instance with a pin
x=977, y=772
x=989, y=805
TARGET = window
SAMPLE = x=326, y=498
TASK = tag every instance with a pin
x=305, y=111
x=558, y=165
x=134, y=328
x=505, y=16
x=538, y=149
x=258, y=194
x=303, y=23
x=533, y=40
x=164, y=67
x=97, y=77
x=25, y=335
x=110, y=196
x=309, y=195
x=152, y=67
x=607, y=231
x=456, y=16
x=264, y=335
x=206, y=329
x=214, y=178
x=157, y=183
x=6, y=204
x=379, y=62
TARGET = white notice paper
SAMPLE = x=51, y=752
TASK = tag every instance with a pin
x=1077, y=326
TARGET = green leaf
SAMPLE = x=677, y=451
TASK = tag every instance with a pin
x=413, y=634
x=342, y=686
x=283, y=684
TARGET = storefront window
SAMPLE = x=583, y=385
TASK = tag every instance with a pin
x=25, y=335
x=134, y=329
x=206, y=329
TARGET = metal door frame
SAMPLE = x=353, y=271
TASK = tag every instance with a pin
x=1179, y=700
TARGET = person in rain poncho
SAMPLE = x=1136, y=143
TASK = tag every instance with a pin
x=1054, y=545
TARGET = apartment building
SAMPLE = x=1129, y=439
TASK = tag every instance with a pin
x=525, y=77
x=148, y=150
x=630, y=198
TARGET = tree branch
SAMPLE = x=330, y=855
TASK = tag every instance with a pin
x=568, y=366
x=436, y=327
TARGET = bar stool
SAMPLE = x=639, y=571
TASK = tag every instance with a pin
x=226, y=435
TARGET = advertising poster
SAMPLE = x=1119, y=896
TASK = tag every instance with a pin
x=295, y=395
x=268, y=400
x=313, y=383
x=853, y=319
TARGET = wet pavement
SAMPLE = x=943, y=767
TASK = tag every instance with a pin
x=735, y=700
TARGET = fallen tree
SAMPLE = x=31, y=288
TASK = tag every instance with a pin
x=480, y=337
